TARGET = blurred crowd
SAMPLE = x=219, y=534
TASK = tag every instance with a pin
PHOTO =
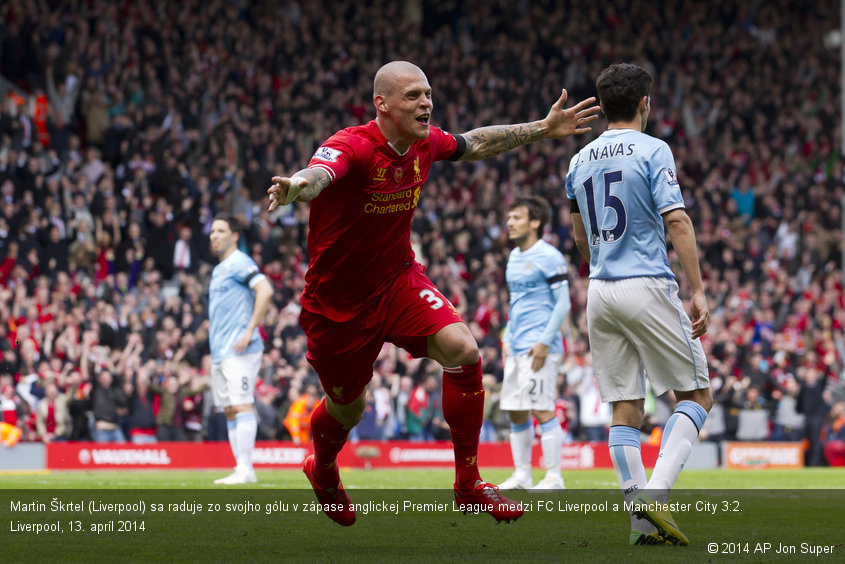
x=127, y=126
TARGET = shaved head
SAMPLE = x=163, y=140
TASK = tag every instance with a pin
x=403, y=102
x=391, y=74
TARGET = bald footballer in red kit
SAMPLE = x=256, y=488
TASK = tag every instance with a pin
x=363, y=286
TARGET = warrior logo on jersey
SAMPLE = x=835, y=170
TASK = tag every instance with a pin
x=327, y=154
x=381, y=174
x=671, y=177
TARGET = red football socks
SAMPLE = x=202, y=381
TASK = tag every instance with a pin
x=329, y=436
x=463, y=410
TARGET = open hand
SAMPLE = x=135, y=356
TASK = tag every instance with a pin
x=565, y=122
x=284, y=190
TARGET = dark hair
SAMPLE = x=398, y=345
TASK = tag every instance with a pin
x=537, y=207
x=620, y=88
x=234, y=222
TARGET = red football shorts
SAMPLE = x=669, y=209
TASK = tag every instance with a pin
x=343, y=353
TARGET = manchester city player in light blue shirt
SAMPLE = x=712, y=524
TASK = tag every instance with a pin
x=238, y=298
x=532, y=346
x=624, y=194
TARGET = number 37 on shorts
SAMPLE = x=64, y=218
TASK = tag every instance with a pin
x=437, y=301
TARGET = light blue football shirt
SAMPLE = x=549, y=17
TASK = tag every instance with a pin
x=231, y=301
x=623, y=181
x=530, y=276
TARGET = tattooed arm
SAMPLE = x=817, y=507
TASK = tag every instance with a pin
x=486, y=142
x=303, y=186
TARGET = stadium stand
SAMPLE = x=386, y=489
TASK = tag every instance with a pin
x=126, y=126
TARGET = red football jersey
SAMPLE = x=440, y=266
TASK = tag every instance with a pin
x=360, y=225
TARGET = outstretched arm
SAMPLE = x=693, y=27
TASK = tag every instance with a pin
x=486, y=142
x=303, y=186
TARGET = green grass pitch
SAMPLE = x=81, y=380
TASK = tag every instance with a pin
x=407, y=516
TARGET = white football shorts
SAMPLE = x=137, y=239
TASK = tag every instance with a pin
x=524, y=390
x=233, y=380
x=641, y=321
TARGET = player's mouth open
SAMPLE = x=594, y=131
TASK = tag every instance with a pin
x=423, y=119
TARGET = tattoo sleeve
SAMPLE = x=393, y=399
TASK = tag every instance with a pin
x=318, y=180
x=486, y=142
